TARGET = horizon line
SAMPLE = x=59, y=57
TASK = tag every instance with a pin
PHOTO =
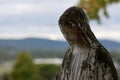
x=50, y=39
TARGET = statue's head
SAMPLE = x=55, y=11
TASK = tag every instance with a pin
x=72, y=22
x=73, y=16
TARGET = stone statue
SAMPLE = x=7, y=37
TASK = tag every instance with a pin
x=86, y=58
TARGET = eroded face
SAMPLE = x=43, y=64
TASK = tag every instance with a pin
x=71, y=24
x=70, y=33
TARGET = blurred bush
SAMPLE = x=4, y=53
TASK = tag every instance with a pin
x=25, y=69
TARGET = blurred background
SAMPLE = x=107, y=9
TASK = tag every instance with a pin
x=31, y=44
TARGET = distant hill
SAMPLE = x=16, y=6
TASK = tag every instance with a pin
x=43, y=47
x=111, y=45
x=34, y=43
x=45, y=44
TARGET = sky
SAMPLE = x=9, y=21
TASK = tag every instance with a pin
x=39, y=19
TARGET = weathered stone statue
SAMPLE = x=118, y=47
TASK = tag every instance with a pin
x=86, y=59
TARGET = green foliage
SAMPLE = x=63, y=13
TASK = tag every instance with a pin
x=23, y=68
x=93, y=7
x=46, y=71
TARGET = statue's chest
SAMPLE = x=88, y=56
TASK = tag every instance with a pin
x=85, y=67
x=80, y=59
x=81, y=55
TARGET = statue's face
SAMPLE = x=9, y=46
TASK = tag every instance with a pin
x=70, y=33
x=70, y=23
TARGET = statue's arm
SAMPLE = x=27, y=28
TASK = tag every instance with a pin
x=103, y=56
x=65, y=64
x=67, y=57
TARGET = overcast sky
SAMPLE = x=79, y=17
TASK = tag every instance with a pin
x=39, y=19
